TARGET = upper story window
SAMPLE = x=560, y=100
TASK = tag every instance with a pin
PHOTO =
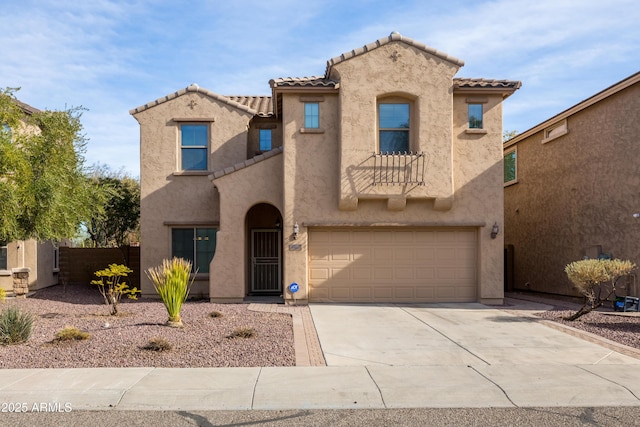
x=311, y=115
x=194, y=146
x=475, y=116
x=393, y=127
x=265, y=140
x=3, y=256
x=197, y=245
x=510, y=167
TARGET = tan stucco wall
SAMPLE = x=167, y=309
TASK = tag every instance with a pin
x=168, y=198
x=239, y=192
x=422, y=78
x=576, y=192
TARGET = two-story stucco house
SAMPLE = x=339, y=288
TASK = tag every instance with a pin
x=571, y=190
x=379, y=181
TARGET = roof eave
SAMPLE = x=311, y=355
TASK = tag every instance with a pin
x=603, y=94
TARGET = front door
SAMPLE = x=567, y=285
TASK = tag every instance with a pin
x=266, y=261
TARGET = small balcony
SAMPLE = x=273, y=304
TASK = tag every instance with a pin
x=398, y=168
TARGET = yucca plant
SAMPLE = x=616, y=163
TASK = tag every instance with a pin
x=15, y=326
x=172, y=281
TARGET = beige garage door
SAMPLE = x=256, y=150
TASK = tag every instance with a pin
x=392, y=265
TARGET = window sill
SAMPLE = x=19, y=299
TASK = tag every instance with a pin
x=507, y=184
x=311, y=130
x=476, y=131
x=5, y=273
x=200, y=277
x=191, y=173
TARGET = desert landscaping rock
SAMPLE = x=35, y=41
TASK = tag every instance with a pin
x=117, y=341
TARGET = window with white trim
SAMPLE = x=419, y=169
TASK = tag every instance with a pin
x=194, y=147
x=510, y=166
x=196, y=244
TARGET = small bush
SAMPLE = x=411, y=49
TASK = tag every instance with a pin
x=157, y=344
x=215, y=314
x=15, y=326
x=71, y=333
x=3, y=295
x=110, y=286
x=172, y=281
x=244, y=332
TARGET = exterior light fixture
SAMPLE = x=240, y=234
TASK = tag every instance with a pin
x=494, y=230
x=636, y=215
x=296, y=230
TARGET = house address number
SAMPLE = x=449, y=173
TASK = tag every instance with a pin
x=295, y=247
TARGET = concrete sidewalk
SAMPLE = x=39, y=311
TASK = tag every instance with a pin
x=347, y=387
x=430, y=356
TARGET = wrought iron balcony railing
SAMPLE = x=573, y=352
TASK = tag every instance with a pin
x=398, y=168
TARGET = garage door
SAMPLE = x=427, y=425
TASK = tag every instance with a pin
x=392, y=265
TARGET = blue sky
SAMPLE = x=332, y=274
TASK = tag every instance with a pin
x=112, y=56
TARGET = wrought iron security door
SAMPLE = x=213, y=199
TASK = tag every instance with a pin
x=266, y=261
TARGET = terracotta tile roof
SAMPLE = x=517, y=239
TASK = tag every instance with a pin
x=394, y=36
x=238, y=166
x=261, y=104
x=26, y=107
x=244, y=103
x=460, y=82
x=313, y=81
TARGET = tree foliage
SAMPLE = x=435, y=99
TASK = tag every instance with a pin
x=45, y=194
x=116, y=213
x=596, y=279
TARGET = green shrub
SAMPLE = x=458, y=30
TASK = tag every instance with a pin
x=3, y=295
x=172, y=283
x=243, y=332
x=15, y=326
x=157, y=344
x=110, y=286
x=596, y=280
x=71, y=333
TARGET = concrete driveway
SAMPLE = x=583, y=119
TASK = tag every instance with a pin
x=447, y=335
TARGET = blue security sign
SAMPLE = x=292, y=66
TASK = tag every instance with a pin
x=294, y=287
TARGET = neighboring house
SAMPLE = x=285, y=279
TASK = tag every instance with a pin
x=41, y=258
x=572, y=189
x=379, y=181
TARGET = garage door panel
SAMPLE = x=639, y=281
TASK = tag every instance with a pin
x=387, y=265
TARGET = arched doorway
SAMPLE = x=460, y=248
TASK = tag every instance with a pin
x=264, y=234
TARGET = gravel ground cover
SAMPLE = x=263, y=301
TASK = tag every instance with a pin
x=623, y=329
x=116, y=341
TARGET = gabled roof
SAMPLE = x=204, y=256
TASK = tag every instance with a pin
x=256, y=105
x=393, y=37
x=611, y=90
